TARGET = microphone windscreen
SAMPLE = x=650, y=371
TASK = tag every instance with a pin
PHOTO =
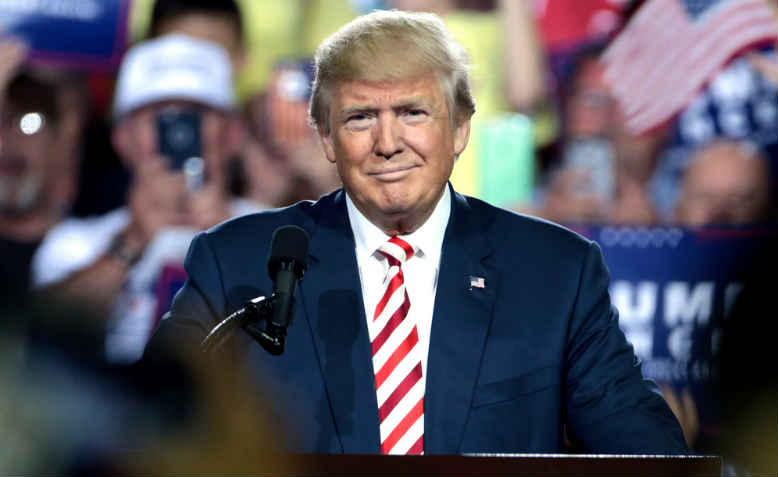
x=289, y=242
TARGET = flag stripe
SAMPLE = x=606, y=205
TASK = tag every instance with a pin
x=683, y=89
x=665, y=54
x=679, y=84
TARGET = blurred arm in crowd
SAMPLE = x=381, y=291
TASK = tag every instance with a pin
x=281, y=121
x=525, y=63
x=42, y=116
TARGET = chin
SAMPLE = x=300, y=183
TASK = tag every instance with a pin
x=395, y=209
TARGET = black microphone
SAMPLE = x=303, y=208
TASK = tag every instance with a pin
x=286, y=265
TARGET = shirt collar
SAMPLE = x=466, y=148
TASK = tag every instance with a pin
x=428, y=238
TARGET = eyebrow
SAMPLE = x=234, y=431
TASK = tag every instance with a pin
x=404, y=103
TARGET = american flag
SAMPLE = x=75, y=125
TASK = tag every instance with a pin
x=477, y=282
x=671, y=48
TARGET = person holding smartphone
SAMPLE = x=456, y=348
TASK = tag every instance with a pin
x=174, y=128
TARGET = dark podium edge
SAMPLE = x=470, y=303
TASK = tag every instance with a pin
x=486, y=465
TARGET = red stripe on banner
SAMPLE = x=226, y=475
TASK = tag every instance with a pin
x=401, y=352
x=403, y=426
x=402, y=389
x=394, y=321
x=418, y=447
x=394, y=284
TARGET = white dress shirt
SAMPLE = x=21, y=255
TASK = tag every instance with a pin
x=420, y=271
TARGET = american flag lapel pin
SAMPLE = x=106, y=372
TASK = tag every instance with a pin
x=476, y=282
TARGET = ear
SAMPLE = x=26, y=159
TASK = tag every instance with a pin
x=461, y=136
x=326, y=143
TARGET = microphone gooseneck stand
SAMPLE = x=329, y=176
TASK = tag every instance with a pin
x=251, y=317
x=266, y=319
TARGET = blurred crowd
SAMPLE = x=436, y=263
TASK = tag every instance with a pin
x=97, y=207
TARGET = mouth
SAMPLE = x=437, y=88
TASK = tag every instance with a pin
x=391, y=174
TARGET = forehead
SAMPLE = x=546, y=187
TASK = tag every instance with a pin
x=154, y=108
x=425, y=89
x=215, y=27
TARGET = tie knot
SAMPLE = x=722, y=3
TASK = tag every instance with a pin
x=396, y=250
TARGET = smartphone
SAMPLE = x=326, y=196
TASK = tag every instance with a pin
x=594, y=158
x=180, y=142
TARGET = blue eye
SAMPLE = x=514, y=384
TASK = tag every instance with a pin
x=358, y=120
x=415, y=113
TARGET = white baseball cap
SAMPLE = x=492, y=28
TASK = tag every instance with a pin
x=174, y=67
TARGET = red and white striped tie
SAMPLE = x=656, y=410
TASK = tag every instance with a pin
x=397, y=360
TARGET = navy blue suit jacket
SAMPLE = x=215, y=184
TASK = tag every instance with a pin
x=536, y=350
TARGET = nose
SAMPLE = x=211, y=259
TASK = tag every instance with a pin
x=388, y=141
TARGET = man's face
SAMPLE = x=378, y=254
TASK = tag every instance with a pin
x=394, y=147
x=723, y=186
x=590, y=108
x=138, y=136
x=216, y=28
x=28, y=158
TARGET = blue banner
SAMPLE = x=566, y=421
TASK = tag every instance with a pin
x=88, y=34
x=674, y=288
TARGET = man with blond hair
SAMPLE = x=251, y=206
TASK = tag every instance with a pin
x=427, y=321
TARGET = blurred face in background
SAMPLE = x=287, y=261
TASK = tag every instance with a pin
x=725, y=184
x=136, y=136
x=29, y=155
x=219, y=29
x=590, y=107
x=594, y=113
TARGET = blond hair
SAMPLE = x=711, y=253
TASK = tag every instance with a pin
x=392, y=45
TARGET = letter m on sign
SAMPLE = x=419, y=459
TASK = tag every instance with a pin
x=685, y=305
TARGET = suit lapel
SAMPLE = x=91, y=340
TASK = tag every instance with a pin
x=332, y=298
x=459, y=327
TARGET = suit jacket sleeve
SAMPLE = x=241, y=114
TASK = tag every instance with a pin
x=609, y=406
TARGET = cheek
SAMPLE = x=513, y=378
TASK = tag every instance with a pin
x=211, y=130
x=145, y=132
x=352, y=151
x=428, y=143
x=41, y=156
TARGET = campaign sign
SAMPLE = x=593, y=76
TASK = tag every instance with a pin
x=87, y=34
x=171, y=279
x=674, y=288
